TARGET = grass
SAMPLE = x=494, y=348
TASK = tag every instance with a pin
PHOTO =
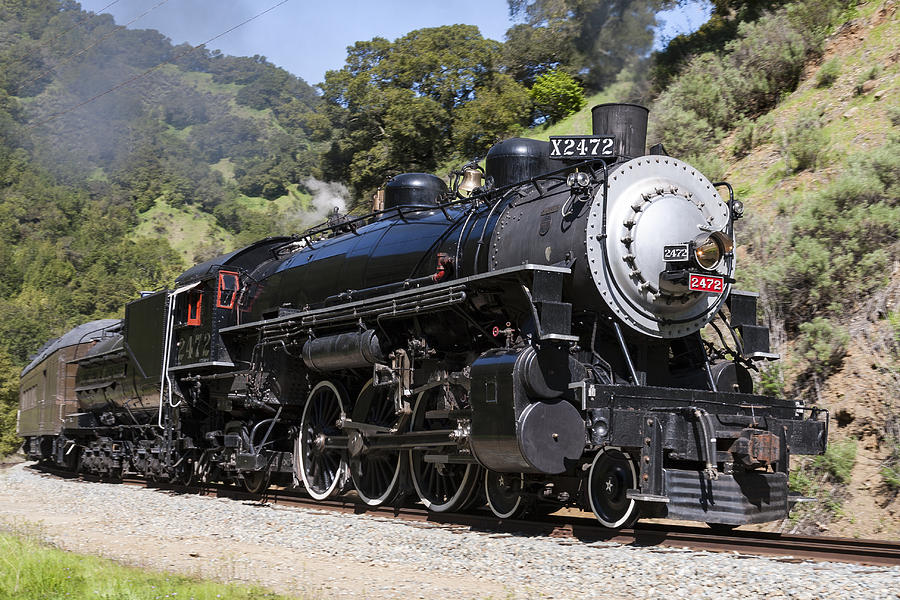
x=32, y=570
x=291, y=202
x=580, y=122
x=825, y=478
x=187, y=229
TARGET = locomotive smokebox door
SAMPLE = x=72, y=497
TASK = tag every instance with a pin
x=523, y=420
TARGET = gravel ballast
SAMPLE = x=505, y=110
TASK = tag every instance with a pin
x=323, y=554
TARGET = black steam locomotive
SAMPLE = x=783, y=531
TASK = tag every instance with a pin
x=533, y=336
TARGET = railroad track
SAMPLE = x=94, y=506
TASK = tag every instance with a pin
x=791, y=548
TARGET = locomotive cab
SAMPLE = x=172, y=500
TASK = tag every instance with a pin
x=199, y=313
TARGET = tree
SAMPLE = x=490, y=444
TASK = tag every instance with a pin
x=497, y=109
x=411, y=104
x=594, y=38
x=557, y=95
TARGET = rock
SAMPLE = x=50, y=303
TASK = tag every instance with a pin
x=880, y=94
x=851, y=113
x=869, y=86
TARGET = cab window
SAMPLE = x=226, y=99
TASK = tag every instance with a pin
x=194, y=306
x=228, y=289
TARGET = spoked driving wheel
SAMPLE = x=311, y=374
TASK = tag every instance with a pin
x=612, y=474
x=323, y=469
x=376, y=473
x=441, y=487
x=503, y=492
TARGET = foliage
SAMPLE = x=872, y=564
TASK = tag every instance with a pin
x=557, y=95
x=721, y=28
x=828, y=73
x=709, y=164
x=841, y=241
x=822, y=344
x=743, y=138
x=9, y=404
x=771, y=380
x=803, y=142
x=838, y=461
x=31, y=569
x=894, y=115
x=743, y=79
x=866, y=75
x=594, y=38
x=490, y=116
x=396, y=106
x=824, y=478
x=890, y=470
x=286, y=161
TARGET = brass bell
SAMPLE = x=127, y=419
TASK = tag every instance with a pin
x=378, y=200
x=472, y=178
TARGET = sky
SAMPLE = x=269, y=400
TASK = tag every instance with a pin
x=308, y=38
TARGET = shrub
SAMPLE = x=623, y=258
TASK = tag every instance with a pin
x=840, y=244
x=770, y=54
x=802, y=143
x=828, y=73
x=709, y=164
x=743, y=138
x=823, y=345
x=824, y=478
x=683, y=130
x=890, y=471
x=866, y=75
x=838, y=461
x=771, y=380
x=715, y=90
x=894, y=115
x=557, y=95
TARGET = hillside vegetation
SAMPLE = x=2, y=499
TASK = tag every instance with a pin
x=800, y=112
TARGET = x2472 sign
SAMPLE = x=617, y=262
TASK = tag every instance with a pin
x=582, y=147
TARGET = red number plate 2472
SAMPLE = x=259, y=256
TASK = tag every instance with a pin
x=706, y=283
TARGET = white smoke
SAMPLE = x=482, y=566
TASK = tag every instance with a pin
x=327, y=195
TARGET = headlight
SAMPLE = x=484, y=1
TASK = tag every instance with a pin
x=709, y=250
x=578, y=180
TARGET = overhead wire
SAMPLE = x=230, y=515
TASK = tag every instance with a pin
x=76, y=23
x=90, y=46
x=130, y=80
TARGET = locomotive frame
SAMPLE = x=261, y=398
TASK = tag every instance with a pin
x=530, y=345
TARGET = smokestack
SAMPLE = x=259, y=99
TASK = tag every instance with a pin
x=628, y=122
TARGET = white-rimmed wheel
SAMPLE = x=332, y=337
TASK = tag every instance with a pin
x=612, y=474
x=504, y=494
x=442, y=487
x=376, y=474
x=322, y=469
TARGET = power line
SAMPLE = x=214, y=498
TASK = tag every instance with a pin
x=76, y=22
x=89, y=46
x=130, y=80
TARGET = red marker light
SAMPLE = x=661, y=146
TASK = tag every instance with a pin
x=496, y=331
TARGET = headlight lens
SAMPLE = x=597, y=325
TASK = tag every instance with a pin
x=708, y=253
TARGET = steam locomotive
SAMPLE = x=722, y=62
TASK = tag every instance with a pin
x=556, y=329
